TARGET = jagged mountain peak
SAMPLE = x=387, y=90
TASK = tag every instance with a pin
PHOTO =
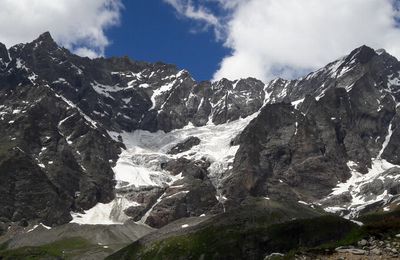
x=342, y=73
x=362, y=54
x=44, y=37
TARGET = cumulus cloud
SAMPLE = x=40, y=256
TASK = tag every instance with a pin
x=77, y=25
x=287, y=38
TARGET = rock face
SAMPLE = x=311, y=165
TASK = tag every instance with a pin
x=52, y=159
x=67, y=125
x=278, y=150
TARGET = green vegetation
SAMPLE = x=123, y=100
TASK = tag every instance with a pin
x=3, y=246
x=254, y=237
x=239, y=242
x=62, y=249
x=382, y=224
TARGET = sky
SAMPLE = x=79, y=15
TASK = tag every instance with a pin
x=151, y=30
x=212, y=39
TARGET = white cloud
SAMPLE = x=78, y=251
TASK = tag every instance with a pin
x=75, y=24
x=189, y=10
x=86, y=52
x=200, y=13
x=271, y=38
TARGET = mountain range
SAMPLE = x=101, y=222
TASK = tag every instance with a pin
x=111, y=142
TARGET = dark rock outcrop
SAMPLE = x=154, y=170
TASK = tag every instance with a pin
x=184, y=146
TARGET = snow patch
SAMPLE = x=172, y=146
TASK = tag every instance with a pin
x=105, y=90
x=104, y=214
x=159, y=91
x=297, y=103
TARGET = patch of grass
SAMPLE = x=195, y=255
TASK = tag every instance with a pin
x=4, y=246
x=322, y=232
x=59, y=250
x=382, y=224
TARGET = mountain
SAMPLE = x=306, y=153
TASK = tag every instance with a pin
x=336, y=125
x=107, y=140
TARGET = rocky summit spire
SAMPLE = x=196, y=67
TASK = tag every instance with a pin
x=46, y=41
x=362, y=54
x=46, y=37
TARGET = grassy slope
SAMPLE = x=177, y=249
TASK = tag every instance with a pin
x=63, y=249
x=238, y=242
x=382, y=224
x=244, y=241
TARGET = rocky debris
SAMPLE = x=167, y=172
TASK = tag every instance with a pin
x=184, y=146
x=373, y=247
x=370, y=248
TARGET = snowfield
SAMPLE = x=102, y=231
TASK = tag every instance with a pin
x=140, y=164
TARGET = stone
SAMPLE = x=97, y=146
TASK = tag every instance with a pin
x=376, y=251
x=184, y=146
x=362, y=242
x=351, y=250
x=357, y=251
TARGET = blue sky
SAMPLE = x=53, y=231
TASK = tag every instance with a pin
x=264, y=39
x=151, y=30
